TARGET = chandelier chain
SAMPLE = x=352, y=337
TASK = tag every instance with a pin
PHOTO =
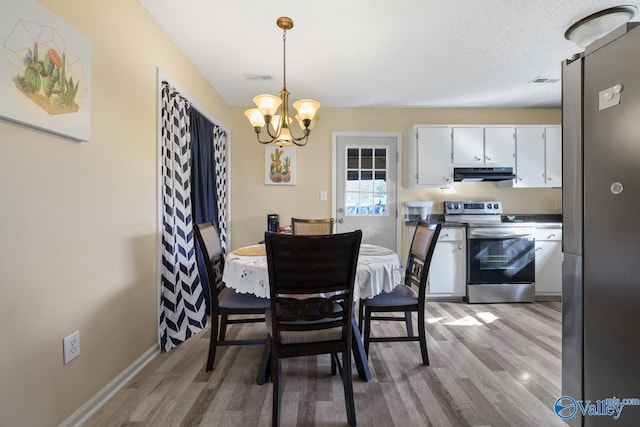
x=284, y=59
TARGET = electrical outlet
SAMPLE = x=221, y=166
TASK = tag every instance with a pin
x=71, y=346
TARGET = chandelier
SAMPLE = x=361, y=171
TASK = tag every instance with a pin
x=272, y=109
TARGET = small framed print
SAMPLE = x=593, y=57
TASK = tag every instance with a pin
x=279, y=165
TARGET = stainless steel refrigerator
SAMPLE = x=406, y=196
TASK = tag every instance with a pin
x=601, y=228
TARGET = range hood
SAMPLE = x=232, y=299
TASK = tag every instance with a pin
x=483, y=174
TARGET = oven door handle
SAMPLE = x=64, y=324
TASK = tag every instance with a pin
x=498, y=234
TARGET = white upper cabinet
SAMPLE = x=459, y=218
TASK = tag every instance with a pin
x=500, y=145
x=553, y=156
x=468, y=146
x=483, y=145
x=538, y=156
x=529, y=157
x=428, y=154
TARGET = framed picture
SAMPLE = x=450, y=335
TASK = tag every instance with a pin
x=279, y=165
x=45, y=71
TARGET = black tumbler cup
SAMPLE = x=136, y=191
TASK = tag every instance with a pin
x=273, y=222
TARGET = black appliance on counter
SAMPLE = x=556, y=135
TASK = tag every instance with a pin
x=500, y=256
x=601, y=232
x=273, y=222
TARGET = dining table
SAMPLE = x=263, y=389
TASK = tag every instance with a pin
x=378, y=270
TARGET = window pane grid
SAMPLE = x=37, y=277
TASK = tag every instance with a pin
x=366, y=186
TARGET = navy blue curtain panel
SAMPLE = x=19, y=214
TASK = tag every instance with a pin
x=203, y=171
x=203, y=184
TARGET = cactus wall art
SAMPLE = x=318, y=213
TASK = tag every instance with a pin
x=280, y=165
x=44, y=81
x=45, y=71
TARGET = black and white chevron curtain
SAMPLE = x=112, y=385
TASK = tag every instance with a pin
x=194, y=178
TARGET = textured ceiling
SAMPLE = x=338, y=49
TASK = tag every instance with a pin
x=381, y=53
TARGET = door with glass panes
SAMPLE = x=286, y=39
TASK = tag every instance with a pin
x=366, y=186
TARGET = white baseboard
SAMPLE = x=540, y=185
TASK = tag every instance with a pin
x=82, y=414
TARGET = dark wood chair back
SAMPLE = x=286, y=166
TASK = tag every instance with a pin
x=312, y=226
x=423, y=245
x=209, y=242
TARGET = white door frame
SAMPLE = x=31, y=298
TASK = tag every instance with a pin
x=334, y=171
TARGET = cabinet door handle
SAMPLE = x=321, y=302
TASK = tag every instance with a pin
x=551, y=236
x=538, y=249
x=477, y=158
x=488, y=158
x=519, y=178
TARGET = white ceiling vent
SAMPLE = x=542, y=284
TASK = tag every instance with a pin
x=544, y=80
x=250, y=77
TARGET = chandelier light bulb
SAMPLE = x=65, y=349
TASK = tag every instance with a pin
x=255, y=117
x=267, y=104
x=306, y=108
x=285, y=139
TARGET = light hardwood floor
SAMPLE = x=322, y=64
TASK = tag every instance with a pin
x=491, y=365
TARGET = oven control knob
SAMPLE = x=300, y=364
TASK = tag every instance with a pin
x=489, y=206
x=495, y=205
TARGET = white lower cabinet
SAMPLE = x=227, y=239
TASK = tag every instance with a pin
x=548, y=262
x=447, y=274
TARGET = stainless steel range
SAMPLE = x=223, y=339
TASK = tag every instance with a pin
x=500, y=255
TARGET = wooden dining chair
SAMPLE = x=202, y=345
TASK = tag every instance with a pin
x=312, y=226
x=311, y=280
x=225, y=302
x=404, y=298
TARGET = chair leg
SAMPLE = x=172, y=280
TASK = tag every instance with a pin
x=407, y=317
x=334, y=366
x=264, y=369
x=360, y=314
x=422, y=334
x=347, y=382
x=277, y=391
x=213, y=342
x=223, y=326
x=367, y=327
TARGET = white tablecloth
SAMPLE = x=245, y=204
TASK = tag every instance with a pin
x=378, y=271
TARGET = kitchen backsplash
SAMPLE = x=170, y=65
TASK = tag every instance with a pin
x=514, y=200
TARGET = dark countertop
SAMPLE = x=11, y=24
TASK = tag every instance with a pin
x=539, y=219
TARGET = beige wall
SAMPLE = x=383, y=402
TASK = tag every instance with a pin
x=78, y=235
x=252, y=200
x=78, y=232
